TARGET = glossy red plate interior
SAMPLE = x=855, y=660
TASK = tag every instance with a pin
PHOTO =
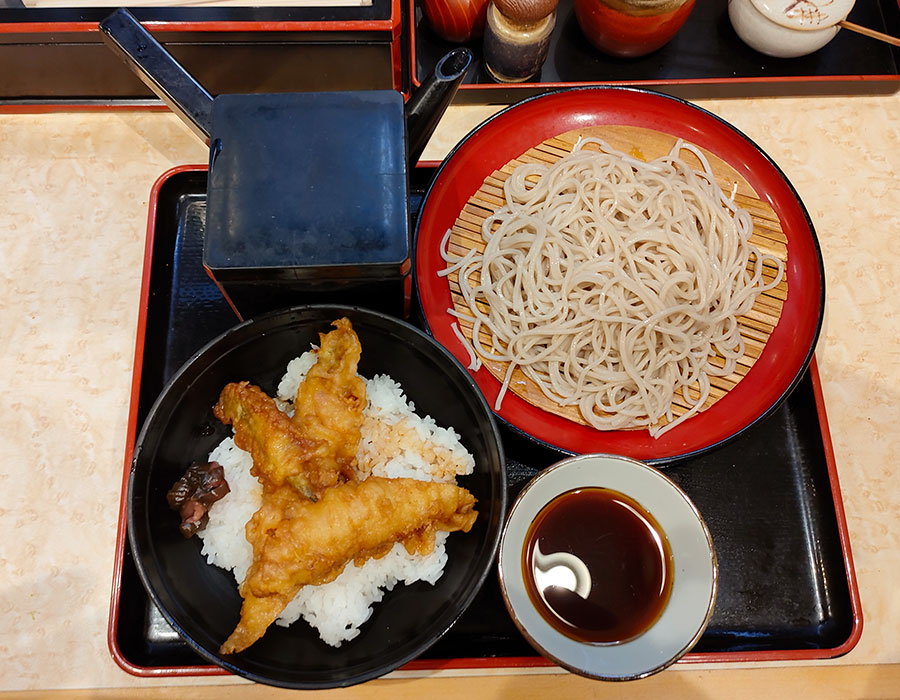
x=513, y=131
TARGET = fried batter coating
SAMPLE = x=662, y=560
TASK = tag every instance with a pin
x=314, y=517
x=297, y=542
x=279, y=449
x=317, y=447
x=330, y=403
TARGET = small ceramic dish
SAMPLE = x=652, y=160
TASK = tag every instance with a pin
x=689, y=564
x=787, y=28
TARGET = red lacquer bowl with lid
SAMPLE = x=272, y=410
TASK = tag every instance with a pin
x=631, y=28
x=456, y=20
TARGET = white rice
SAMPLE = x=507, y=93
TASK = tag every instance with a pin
x=395, y=443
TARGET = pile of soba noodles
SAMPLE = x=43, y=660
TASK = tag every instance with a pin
x=614, y=284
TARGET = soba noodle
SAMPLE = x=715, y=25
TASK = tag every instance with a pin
x=614, y=284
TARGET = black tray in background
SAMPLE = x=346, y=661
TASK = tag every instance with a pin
x=55, y=56
x=705, y=59
x=786, y=587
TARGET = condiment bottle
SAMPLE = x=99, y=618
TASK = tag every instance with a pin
x=517, y=37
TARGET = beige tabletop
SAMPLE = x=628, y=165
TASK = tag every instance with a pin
x=74, y=192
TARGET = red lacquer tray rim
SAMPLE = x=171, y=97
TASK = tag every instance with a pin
x=462, y=664
x=390, y=23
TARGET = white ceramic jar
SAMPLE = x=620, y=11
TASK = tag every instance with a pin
x=787, y=28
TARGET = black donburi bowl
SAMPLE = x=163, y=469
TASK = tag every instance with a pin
x=201, y=601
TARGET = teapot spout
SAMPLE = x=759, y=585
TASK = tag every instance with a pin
x=428, y=104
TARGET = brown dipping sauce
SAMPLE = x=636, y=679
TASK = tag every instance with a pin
x=597, y=566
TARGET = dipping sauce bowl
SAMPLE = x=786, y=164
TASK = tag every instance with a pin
x=607, y=567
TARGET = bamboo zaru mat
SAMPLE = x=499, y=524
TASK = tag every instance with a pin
x=644, y=144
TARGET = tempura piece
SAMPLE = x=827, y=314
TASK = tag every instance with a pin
x=330, y=403
x=314, y=517
x=278, y=447
x=297, y=542
x=317, y=448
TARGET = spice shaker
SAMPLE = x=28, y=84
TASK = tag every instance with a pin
x=517, y=38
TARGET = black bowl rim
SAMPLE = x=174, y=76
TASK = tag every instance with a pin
x=326, y=311
x=660, y=462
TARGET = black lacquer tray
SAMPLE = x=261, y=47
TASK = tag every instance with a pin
x=60, y=59
x=771, y=498
x=705, y=59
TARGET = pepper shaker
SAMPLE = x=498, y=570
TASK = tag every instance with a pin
x=517, y=38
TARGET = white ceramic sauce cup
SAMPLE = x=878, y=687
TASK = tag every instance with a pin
x=694, y=568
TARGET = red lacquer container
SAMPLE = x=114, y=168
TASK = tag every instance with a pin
x=456, y=20
x=630, y=28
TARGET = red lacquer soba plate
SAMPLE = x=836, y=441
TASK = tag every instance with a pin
x=513, y=131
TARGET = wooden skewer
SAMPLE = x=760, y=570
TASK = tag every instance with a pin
x=871, y=33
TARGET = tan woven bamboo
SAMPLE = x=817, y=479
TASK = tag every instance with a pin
x=646, y=144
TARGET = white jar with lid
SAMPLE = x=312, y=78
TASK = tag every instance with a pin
x=787, y=28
